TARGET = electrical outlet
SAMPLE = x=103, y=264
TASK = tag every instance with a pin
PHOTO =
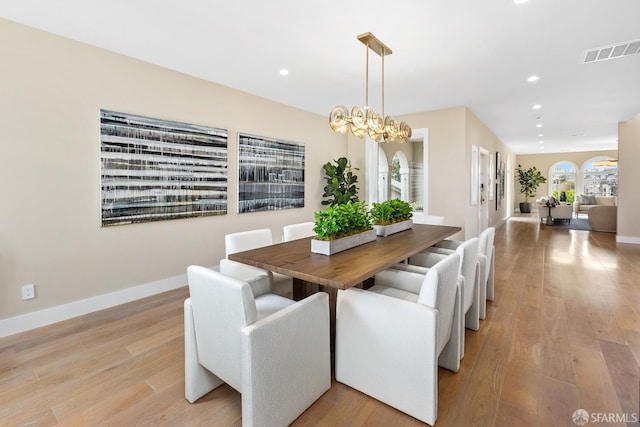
x=28, y=291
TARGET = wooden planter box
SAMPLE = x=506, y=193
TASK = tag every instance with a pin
x=330, y=247
x=386, y=230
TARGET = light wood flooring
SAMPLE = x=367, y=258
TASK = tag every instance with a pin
x=563, y=333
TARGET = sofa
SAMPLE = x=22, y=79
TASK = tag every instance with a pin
x=559, y=210
x=603, y=218
x=583, y=203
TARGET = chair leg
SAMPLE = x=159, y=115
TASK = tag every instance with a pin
x=482, y=284
x=490, y=280
x=472, y=318
x=198, y=381
x=451, y=354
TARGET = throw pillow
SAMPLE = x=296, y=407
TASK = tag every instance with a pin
x=588, y=200
x=552, y=202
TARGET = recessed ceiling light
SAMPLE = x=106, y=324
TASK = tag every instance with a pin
x=537, y=107
x=539, y=125
x=284, y=72
x=520, y=1
x=541, y=134
x=532, y=79
x=541, y=142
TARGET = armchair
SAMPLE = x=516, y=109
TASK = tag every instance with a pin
x=467, y=280
x=297, y=231
x=244, y=241
x=564, y=212
x=272, y=350
x=428, y=219
x=543, y=209
x=390, y=340
x=486, y=260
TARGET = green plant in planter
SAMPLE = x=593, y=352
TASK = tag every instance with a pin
x=341, y=183
x=529, y=180
x=390, y=212
x=341, y=220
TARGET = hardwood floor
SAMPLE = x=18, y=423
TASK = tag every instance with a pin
x=563, y=333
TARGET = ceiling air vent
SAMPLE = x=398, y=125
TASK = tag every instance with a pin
x=617, y=50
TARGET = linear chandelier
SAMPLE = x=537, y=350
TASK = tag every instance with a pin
x=365, y=121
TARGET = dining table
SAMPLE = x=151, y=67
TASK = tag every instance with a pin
x=342, y=270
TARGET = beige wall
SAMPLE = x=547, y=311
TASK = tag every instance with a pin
x=629, y=178
x=51, y=92
x=446, y=142
x=451, y=133
x=480, y=135
x=544, y=161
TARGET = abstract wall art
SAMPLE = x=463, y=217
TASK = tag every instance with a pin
x=154, y=169
x=270, y=174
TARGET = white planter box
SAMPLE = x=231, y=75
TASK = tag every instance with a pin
x=386, y=230
x=330, y=247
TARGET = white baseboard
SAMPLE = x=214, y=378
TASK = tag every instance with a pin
x=36, y=319
x=500, y=223
x=624, y=239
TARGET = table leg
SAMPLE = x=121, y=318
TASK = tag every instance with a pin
x=333, y=297
x=302, y=289
x=549, y=219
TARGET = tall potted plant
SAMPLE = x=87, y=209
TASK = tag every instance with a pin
x=341, y=183
x=529, y=180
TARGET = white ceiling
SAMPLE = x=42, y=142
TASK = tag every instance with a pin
x=473, y=53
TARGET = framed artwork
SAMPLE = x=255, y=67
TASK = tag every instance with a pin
x=270, y=174
x=502, y=179
x=492, y=180
x=499, y=181
x=474, y=175
x=153, y=169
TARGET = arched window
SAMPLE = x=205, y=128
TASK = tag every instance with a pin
x=562, y=179
x=400, y=177
x=600, y=176
x=383, y=176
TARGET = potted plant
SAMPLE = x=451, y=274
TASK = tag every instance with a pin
x=341, y=182
x=391, y=216
x=529, y=180
x=341, y=227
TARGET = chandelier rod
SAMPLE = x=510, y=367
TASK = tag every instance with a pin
x=366, y=102
x=382, y=83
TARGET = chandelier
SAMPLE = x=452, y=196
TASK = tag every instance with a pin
x=365, y=121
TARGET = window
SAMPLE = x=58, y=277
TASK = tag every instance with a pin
x=600, y=177
x=563, y=180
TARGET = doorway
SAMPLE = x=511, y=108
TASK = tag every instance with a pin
x=483, y=182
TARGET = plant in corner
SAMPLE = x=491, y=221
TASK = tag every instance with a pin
x=529, y=180
x=341, y=183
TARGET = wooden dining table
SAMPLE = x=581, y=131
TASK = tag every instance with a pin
x=344, y=269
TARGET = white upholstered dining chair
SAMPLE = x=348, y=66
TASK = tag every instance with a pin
x=469, y=275
x=391, y=338
x=274, y=351
x=486, y=262
x=428, y=219
x=297, y=231
x=252, y=239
